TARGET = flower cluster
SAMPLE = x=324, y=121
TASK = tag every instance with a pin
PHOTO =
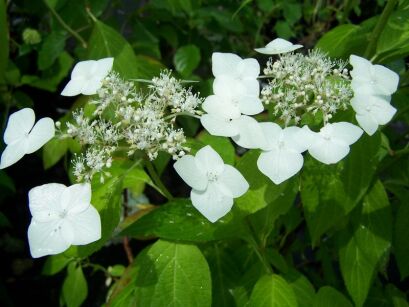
x=300, y=84
x=127, y=120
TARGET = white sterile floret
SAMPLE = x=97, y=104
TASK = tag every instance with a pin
x=374, y=79
x=214, y=184
x=234, y=74
x=23, y=137
x=244, y=130
x=278, y=46
x=281, y=157
x=372, y=111
x=87, y=76
x=331, y=144
x=61, y=216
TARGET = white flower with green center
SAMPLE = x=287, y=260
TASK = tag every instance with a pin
x=23, y=137
x=281, y=157
x=278, y=46
x=372, y=111
x=372, y=79
x=235, y=75
x=61, y=216
x=87, y=76
x=331, y=144
x=214, y=184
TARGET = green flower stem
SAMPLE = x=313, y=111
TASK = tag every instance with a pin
x=156, y=179
x=376, y=33
x=66, y=26
x=182, y=113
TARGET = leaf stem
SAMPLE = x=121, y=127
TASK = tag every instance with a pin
x=156, y=179
x=66, y=26
x=376, y=33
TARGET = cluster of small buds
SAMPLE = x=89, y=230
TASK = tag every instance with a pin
x=143, y=123
x=306, y=83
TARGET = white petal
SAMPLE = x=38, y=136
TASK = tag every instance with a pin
x=187, y=168
x=346, y=132
x=278, y=46
x=13, y=153
x=250, y=133
x=76, y=198
x=219, y=126
x=86, y=226
x=297, y=139
x=92, y=86
x=104, y=66
x=212, y=203
x=221, y=107
x=328, y=151
x=73, y=87
x=368, y=123
x=42, y=132
x=224, y=63
x=84, y=69
x=18, y=125
x=386, y=79
x=248, y=68
x=361, y=67
x=45, y=201
x=208, y=160
x=383, y=112
x=280, y=164
x=232, y=181
x=250, y=105
x=272, y=133
x=46, y=238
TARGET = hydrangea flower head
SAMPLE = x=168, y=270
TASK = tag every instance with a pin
x=87, y=76
x=23, y=137
x=278, y=46
x=214, y=184
x=61, y=216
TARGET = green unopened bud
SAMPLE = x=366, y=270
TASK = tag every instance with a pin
x=31, y=36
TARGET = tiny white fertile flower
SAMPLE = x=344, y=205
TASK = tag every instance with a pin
x=244, y=130
x=278, y=46
x=61, y=216
x=372, y=111
x=87, y=76
x=234, y=74
x=23, y=137
x=331, y=144
x=281, y=157
x=375, y=79
x=214, y=184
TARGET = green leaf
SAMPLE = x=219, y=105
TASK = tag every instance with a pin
x=343, y=40
x=186, y=59
x=107, y=42
x=55, y=264
x=262, y=191
x=362, y=250
x=53, y=151
x=168, y=274
x=328, y=296
x=330, y=192
x=401, y=235
x=4, y=41
x=303, y=289
x=74, y=289
x=397, y=297
x=51, y=48
x=179, y=220
x=272, y=291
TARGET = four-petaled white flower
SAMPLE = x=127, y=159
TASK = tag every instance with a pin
x=331, y=144
x=87, y=76
x=214, y=184
x=23, y=137
x=278, y=46
x=372, y=111
x=281, y=157
x=61, y=216
x=373, y=86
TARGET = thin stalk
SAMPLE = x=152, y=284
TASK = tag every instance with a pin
x=182, y=113
x=156, y=179
x=376, y=33
x=66, y=27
